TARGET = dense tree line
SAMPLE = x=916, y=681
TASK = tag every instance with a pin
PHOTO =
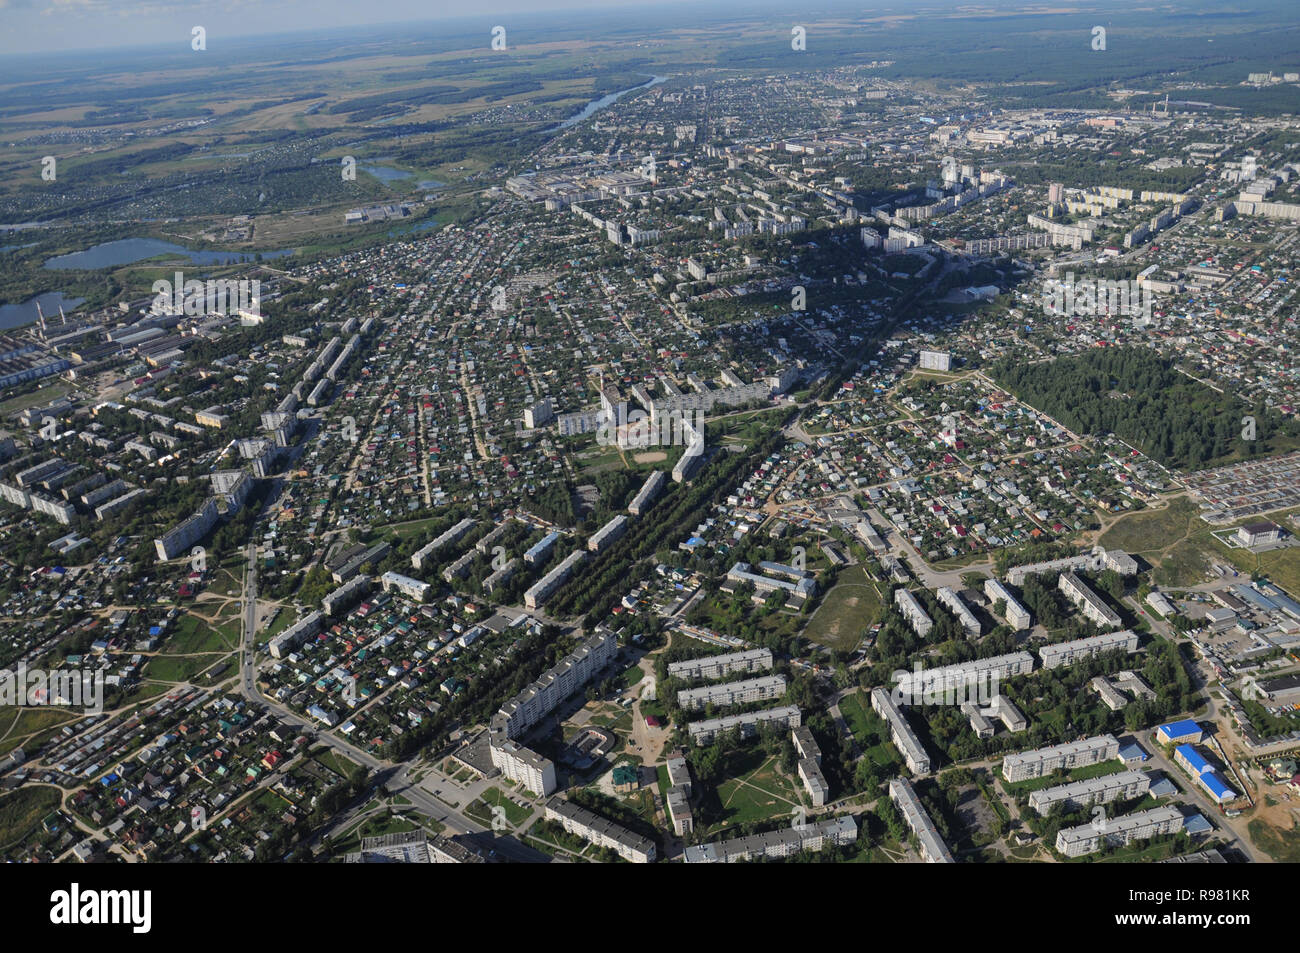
x=1143, y=399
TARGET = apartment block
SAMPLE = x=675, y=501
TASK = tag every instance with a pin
x=288, y=640
x=842, y=830
x=652, y=487
x=900, y=732
x=703, y=732
x=1111, y=787
x=345, y=595
x=1072, y=754
x=608, y=534
x=922, y=682
x=186, y=533
x=1017, y=616
x=413, y=589
x=916, y=617
x=1092, y=605
x=545, y=587
x=534, y=703
x=1117, y=831
x=447, y=538
x=933, y=849
x=601, y=831
x=732, y=693
x=1067, y=653
x=716, y=666
x=949, y=599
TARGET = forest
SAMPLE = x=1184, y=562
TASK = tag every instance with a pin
x=1146, y=401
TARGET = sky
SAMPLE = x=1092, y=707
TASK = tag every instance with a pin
x=28, y=26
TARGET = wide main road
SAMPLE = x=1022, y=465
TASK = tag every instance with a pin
x=395, y=776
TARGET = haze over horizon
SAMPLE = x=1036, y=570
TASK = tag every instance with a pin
x=40, y=26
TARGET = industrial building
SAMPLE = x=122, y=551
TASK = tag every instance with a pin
x=1195, y=764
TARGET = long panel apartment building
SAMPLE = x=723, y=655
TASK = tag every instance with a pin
x=923, y=684
x=1077, y=794
x=703, y=732
x=1067, y=653
x=1017, y=616
x=933, y=849
x=810, y=765
x=453, y=535
x=916, y=617
x=178, y=540
x=601, y=831
x=608, y=534
x=841, y=831
x=545, y=587
x=716, y=666
x=1072, y=754
x=949, y=599
x=900, y=732
x=1117, y=831
x=1092, y=606
x=652, y=487
x=1115, y=559
x=295, y=635
x=732, y=693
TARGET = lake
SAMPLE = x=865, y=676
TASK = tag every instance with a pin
x=124, y=251
x=16, y=315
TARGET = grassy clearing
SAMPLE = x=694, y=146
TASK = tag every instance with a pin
x=1282, y=846
x=1182, y=548
x=1150, y=532
x=193, y=636
x=756, y=793
x=21, y=811
x=481, y=809
x=846, y=611
x=168, y=668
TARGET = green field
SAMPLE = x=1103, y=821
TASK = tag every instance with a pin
x=172, y=668
x=846, y=612
x=1151, y=531
x=193, y=636
x=481, y=809
x=335, y=762
x=870, y=731
x=21, y=811
x=1182, y=547
x=1282, y=846
x=756, y=792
